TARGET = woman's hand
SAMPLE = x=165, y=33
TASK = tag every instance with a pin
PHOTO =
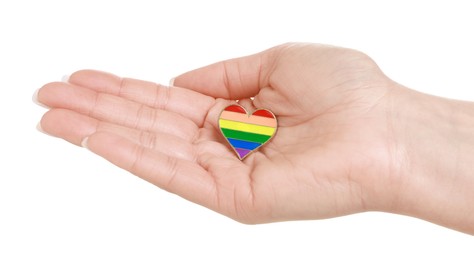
x=342, y=145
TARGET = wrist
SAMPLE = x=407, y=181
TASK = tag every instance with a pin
x=435, y=137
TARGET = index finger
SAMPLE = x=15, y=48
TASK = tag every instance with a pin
x=188, y=103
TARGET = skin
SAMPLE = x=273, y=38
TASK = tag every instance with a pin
x=349, y=139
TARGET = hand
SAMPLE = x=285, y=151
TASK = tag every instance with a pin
x=339, y=148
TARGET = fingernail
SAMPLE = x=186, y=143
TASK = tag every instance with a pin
x=84, y=142
x=39, y=128
x=65, y=78
x=35, y=99
x=171, y=83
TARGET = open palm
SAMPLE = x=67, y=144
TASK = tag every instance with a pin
x=329, y=155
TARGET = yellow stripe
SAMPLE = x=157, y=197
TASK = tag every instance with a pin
x=239, y=126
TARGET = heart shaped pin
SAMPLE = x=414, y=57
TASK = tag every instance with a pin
x=244, y=132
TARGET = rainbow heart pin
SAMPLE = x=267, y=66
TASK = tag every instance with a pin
x=244, y=132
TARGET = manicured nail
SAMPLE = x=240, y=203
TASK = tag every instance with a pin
x=35, y=99
x=171, y=83
x=39, y=128
x=84, y=142
x=65, y=78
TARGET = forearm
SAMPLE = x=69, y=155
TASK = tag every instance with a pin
x=437, y=136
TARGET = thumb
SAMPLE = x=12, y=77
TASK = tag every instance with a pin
x=230, y=79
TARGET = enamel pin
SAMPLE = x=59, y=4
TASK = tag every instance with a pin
x=246, y=133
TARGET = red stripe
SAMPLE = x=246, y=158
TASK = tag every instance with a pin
x=264, y=113
x=236, y=108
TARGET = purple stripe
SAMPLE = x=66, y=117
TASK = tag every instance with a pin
x=242, y=152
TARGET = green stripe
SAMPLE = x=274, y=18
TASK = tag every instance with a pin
x=245, y=135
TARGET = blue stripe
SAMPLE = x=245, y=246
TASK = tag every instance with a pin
x=243, y=144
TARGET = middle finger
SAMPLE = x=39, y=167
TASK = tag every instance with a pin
x=116, y=110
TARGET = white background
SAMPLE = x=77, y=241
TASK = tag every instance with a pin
x=58, y=201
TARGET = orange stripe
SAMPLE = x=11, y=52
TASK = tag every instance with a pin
x=255, y=120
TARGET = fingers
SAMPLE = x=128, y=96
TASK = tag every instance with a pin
x=68, y=125
x=189, y=104
x=231, y=79
x=113, y=109
x=74, y=127
x=182, y=177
